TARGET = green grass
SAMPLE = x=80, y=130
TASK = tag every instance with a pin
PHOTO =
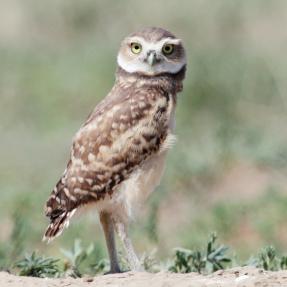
x=205, y=260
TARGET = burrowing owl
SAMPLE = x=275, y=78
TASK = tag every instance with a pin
x=118, y=155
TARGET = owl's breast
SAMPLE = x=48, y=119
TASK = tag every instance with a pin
x=142, y=182
x=135, y=158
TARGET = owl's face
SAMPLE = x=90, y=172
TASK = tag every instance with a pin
x=151, y=51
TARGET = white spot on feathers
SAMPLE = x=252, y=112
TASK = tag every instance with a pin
x=89, y=181
x=142, y=104
x=80, y=179
x=91, y=157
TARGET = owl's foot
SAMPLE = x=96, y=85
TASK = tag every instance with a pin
x=114, y=271
x=121, y=229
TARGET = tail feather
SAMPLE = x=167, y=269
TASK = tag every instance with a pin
x=57, y=225
x=59, y=208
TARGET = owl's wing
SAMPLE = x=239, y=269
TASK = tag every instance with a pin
x=122, y=132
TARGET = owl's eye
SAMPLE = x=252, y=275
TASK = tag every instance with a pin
x=167, y=49
x=136, y=48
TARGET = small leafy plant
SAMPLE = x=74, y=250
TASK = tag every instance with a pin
x=149, y=262
x=82, y=260
x=37, y=266
x=76, y=257
x=101, y=266
x=212, y=259
x=268, y=259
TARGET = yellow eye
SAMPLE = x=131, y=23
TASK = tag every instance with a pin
x=167, y=49
x=136, y=48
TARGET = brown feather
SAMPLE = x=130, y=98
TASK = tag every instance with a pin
x=123, y=131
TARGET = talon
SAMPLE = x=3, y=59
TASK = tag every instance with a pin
x=114, y=271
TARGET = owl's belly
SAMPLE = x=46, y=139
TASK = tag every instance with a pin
x=141, y=184
x=133, y=192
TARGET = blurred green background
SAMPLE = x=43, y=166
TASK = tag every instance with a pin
x=227, y=172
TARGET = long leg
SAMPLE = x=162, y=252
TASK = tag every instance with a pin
x=121, y=229
x=108, y=228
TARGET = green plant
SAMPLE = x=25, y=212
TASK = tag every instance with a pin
x=76, y=256
x=37, y=266
x=84, y=260
x=268, y=259
x=101, y=266
x=206, y=260
x=149, y=262
x=283, y=263
x=213, y=258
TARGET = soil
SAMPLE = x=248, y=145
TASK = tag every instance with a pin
x=239, y=277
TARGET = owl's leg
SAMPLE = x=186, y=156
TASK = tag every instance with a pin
x=121, y=229
x=108, y=228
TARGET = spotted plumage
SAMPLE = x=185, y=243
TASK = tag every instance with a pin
x=117, y=156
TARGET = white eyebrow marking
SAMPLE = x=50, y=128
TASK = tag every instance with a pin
x=157, y=45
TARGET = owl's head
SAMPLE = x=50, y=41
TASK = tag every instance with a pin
x=152, y=51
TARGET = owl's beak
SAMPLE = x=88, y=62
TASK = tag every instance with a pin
x=151, y=58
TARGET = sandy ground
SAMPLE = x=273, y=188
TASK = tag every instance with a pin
x=240, y=276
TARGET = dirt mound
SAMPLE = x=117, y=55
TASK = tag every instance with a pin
x=240, y=276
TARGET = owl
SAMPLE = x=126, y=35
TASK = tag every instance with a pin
x=118, y=155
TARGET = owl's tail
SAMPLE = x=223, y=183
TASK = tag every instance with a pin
x=59, y=208
x=57, y=225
